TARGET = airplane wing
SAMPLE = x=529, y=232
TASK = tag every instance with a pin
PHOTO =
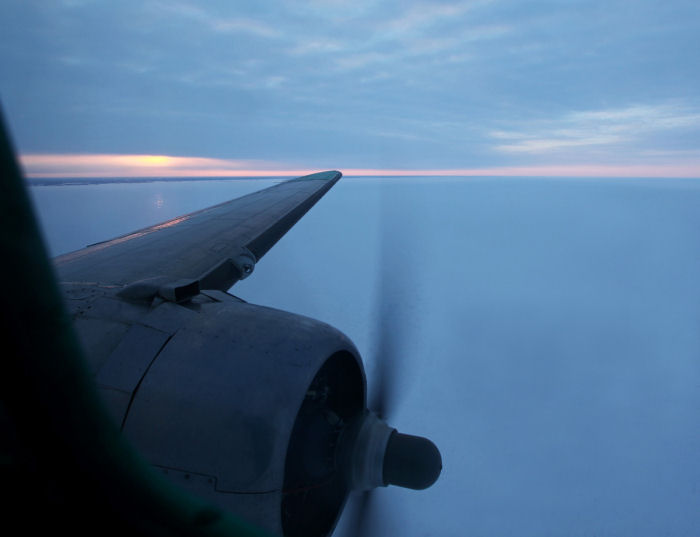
x=65, y=464
x=208, y=249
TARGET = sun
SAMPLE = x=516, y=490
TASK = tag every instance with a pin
x=154, y=160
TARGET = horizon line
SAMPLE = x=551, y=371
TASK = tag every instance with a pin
x=127, y=166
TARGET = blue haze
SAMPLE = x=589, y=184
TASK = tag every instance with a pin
x=549, y=330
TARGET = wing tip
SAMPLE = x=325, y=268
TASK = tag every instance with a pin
x=330, y=175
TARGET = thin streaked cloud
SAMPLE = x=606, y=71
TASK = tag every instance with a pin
x=214, y=21
x=422, y=16
x=318, y=46
x=637, y=124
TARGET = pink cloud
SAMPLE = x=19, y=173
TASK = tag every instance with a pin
x=113, y=165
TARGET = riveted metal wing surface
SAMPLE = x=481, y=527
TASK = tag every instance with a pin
x=215, y=246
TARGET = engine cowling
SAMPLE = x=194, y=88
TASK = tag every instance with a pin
x=257, y=410
x=245, y=406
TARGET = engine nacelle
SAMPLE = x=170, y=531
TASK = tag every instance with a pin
x=244, y=406
x=260, y=411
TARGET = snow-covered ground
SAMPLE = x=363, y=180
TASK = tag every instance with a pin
x=548, y=335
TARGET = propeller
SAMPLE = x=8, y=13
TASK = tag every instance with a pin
x=386, y=345
x=380, y=455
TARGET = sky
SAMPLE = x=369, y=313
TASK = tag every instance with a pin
x=480, y=87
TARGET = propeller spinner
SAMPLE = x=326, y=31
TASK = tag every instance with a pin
x=377, y=455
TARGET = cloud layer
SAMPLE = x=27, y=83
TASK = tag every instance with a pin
x=336, y=84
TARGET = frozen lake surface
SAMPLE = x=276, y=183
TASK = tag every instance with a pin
x=549, y=334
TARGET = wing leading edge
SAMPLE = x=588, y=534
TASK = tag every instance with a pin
x=208, y=249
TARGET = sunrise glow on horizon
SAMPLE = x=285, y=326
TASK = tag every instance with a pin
x=133, y=166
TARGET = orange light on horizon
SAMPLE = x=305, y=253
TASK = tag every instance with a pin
x=116, y=165
x=132, y=166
